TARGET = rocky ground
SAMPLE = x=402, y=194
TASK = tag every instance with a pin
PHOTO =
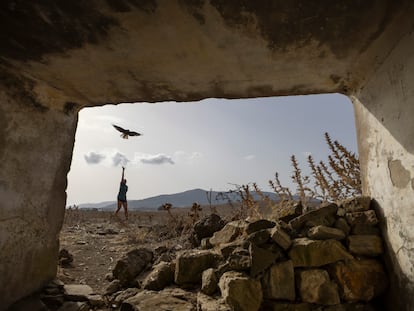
x=96, y=240
x=325, y=259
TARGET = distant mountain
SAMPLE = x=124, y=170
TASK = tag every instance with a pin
x=182, y=199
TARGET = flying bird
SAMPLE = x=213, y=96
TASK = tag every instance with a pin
x=126, y=133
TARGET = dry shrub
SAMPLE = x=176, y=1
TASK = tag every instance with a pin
x=338, y=179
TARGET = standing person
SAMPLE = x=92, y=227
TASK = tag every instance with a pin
x=122, y=200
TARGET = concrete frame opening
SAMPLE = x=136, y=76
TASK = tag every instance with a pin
x=73, y=56
x=211, y=144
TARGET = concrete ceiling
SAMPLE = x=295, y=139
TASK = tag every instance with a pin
x=69, y=54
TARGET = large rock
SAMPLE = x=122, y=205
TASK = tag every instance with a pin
x=229, y=233
x=259, y=225
x=315, y=253
x=77, y=292
x=131, y=265
x=368, y=218
x=166, y=300
x=325, y=233
x=191, y=264
x=161, y=276
x=207, y=303
x=209, y=281
x=261, y=259
x=280, y=237
x=315, y=286
x=259, y=237
x=358, y=204
x=368, y=245
x=206, y=227
x=239, y=260
x=240, y=292
x=360, y=280
x=315, y=217
x=279, y=282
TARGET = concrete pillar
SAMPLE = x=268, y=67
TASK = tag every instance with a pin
x=36, y=146
x=384, y=111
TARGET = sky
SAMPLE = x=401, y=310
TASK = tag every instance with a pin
x=211, y=144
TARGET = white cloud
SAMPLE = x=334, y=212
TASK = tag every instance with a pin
x=153, y=158
x=250, y=157
x=119, y=159
x=94, y=157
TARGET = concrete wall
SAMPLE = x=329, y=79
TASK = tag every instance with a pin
x=57, y=57
x=35, y=155
x=385, y=124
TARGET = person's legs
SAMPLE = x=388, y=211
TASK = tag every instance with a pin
x=119, y=207
x=125, y=205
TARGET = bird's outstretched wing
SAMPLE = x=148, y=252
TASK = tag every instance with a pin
x=126, y=133
x=131, y=133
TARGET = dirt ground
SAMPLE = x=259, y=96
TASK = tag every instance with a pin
x=97, y=239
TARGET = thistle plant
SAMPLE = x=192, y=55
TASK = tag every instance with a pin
x=337, y=179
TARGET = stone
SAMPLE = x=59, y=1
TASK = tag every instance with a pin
x=240, y=292
x=160, y=277
x=191, y=264
x=327, y=221
x=207, y=303
x=359, y=280
x=259, y=237
x=279, y=282
x=342, y=224
x=113, y=287
x=131, y=265
x=125, y=294
x=325, y=233
x=65, y=258
x=315, y=253
x=74, y=306
x=315, y=215
x=358, y=204
x=165, y=300
x=261, y=259
x=280, y=237
x=283, y=306
x=209, y=282
x=315, y=286
x=367, y=245
x=229, y=233
x=362, y=218
x=239, y=260
x=288, y=210
x=206, y=227
x=365, y=230
x=77, y=292
x=205, y=243
x=96, y=300
x=259, y=225
x=228, y=248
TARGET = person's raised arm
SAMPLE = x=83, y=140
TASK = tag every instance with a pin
x=123, y=170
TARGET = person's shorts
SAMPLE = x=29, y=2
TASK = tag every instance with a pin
x=123, y=201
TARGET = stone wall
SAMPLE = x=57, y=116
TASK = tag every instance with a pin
x=329, y=258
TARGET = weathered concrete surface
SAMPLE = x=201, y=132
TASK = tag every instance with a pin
x=34, y=160
x=384, y=118
x=57, y=57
